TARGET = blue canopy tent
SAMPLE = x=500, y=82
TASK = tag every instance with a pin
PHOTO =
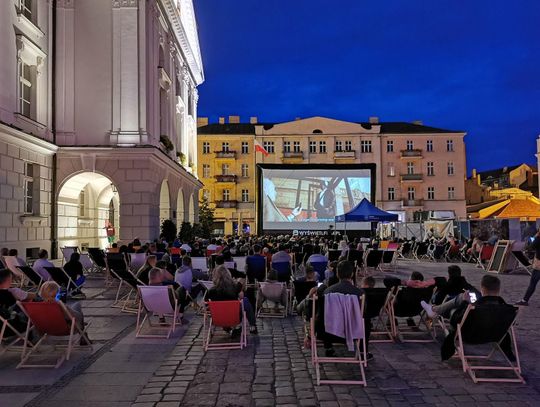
x=365, y=211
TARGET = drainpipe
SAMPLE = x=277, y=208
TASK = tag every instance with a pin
x=54, y=209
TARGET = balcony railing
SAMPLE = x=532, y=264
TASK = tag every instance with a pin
x=412, y=177
x=226, y=204
x=293, y=154
x=226, y=178
x=225, y=154
x=415, y=153
x=345, y=154
x=412, y=202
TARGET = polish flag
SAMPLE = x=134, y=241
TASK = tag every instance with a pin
x=260, y=148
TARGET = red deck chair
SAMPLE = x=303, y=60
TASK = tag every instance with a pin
x=50, y=319
x=485, y=255
x=224, y=314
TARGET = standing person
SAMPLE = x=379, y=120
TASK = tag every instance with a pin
x=535, y=276
x=109, y=229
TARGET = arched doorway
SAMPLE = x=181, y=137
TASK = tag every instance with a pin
x=192, y=208
x=180, y=208
x=85, y=202
x=164, y=202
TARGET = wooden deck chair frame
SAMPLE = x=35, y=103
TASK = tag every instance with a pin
x=471, y=369
x=93, y=253
x=367, y=254
x=87, y=263
x=383, y=322
x=401, y=334
x=127, y=302
x=75, y=332
x=264, y=312
x=389, y=265
x=8, y=343
x=522, y=261
x=146, y=320
x=56, y=272
x=136, y=261
x=358, y=358
x=480, y=255
x=208, y=331
x=32, y=278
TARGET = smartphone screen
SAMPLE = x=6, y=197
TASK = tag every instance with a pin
x=319, y=284
x=472, y=297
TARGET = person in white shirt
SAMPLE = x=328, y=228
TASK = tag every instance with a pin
x=186, y=247
x=41, y=263
x=6, y=279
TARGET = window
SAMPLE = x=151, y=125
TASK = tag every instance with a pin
x=449, y=145
x=245, y=170
x=410, y=168
x=206, y=147
x=245, y=147
x=322, y=147
x=430, y=168
x=312, y=147
x=365, y=146
x=391, y=170
x=225, y=147
x=411, y=193
x=451, y=193
x=31, y=188
x=286, y=146
x=348, y=145
x=389, y=146
x=296, y=146
x=450, y=168
x=269, y=146
x=339, y=146
x=429, y=145
x=245, y=195
x=224, y=169
x=226, y=194
x=82, y=208
x=26, y=9
x=26, y=83
x=206, y=194
x=391, y=194
x=410, y=145
x=431, y=193
x=206, y=171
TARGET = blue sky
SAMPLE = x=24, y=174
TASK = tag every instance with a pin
x=471, y=65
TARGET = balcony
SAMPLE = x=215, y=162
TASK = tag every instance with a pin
x=415, y=153
x=292, y=156
x=225, y=154
x=412, y=202
x=351, y=154
x=226, y=204
x=412, y=177
x=226, y=178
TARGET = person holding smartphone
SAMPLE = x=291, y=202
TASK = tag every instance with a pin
x=535, y=275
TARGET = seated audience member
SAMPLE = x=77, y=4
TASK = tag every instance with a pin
x=149, y=264
x=6, y=280
x=490, y=287
x=415, y=281
x=226, y=289
x=345, y=272
x=281, y=256
x=455, y=285
x=48, y=293
x=367, y=282
x=184, y=276
x=113, y=249
x=310, y=275
x=3, y=253
x=15, y=253
x=169, y=269
x=156, y=276
x=272, y=279
x=74, y=268
x=255, y=265
x=41, y=263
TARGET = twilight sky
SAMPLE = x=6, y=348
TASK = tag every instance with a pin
x=471, y=65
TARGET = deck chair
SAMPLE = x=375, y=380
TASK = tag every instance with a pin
x=356, y=256
x=50, y=319
x=377, y=309
x=156, y=301
x=439, y=253
x=67, y=251
x=284, y=271
x=373, y=260
x=97, y=256
x=302, y=289
x=388, y=260
x=86, y=262
x=118, y=269
x=32, y=278
x=421, y=251
x=61, y=278
x=406, y=304
x=320, y=268
x=485, y=255
x=405, y=250
x=136, y=261
x=199, y=263
x=224, y=314
x=523, y=261
x=12, y=264
x=240, y=263
x=359, y=354
x=11, y=328
x=272, y=292
x=488, y=324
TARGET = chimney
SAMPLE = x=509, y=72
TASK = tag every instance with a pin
x=221, y=120
x=253, y=120
x=234, y=119
x=418, y=122
x=478, y=180
x=473, y=173
x=202, y=121
x=373, y=120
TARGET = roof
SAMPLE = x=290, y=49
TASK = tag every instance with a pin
x=386, y=127
x=519, y=208
x=496, y=173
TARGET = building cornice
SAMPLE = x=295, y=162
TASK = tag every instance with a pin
x=27, y=141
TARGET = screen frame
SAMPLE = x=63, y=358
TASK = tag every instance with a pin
x=372, y=167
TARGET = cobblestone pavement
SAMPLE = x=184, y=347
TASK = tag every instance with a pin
x=272, y=371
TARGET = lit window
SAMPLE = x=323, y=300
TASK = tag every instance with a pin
x=82, y=207
x=206, y=194
x=391, y=170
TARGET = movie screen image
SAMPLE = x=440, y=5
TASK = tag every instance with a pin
x=310, y=198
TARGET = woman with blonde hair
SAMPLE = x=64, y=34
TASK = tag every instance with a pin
x=226, y=289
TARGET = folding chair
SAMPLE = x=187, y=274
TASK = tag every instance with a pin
x=302, y=289
x=33, y=278
x=97, y=256
x=320, y=268
x=272, y=292
x=378, y=306
x=438, y=252
x=405, y=250
x=373, y=260
x=199, y=263
x=67, y=251
x=12, y=263
x=489, y=324
x=136, y=261
x=421, y=251
x=228, y=315
x=359, y=356
x=118, y=269
x=240, y=263
x=86, y=262
x=389, y=259
x=63, y=279
x=10, y=336
x=485, y=255
x=523, y=261
x=50, y=319
x=406, y=304
x=156, y=301
x=356, y=256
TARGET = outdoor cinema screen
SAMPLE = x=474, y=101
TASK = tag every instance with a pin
x=304, y=197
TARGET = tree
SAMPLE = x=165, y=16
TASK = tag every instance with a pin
x=197, y=230
x=186, y=232
x=168, y=230
x=206, y=218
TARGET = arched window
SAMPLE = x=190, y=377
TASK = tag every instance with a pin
x=111, y=212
